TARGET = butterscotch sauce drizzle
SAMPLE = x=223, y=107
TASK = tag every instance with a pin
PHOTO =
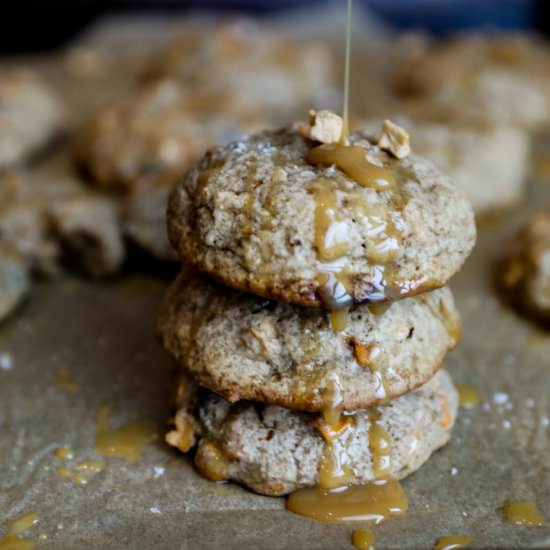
x=12, y=539
x=467, y=395
x=453, y=542
x=331, y=239
x=345, y=110
x=380, y=446
x=126, y=442
x=336, y=499
x=363, y=539
x=523, y=512
x=352, y=160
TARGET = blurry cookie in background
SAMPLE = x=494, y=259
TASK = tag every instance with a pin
x=490, y=77
x=14, y=280
x=255, y=64
x=524, y=276
x=51, y=218
x=135, y=151
x=208, y=88
x=488, y=162
x=30, y=115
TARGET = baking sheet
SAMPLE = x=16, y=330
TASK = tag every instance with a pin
x=103, y=334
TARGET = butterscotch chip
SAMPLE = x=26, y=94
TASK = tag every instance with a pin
x=276, y=451
x=394, y=140
x=183, y=434
x=243, y=347
x=255, y=216
x=325, y=126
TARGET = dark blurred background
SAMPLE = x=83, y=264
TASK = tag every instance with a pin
x=33, y=25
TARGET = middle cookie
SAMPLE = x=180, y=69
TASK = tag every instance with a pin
x=244, y=347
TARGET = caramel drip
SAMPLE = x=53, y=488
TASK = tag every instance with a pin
x=380, y=446
x=332, y=245
x=126, y=442
x=333, y=472
x=332, y=399
x=523, y=512
x=345, y=110
x=339, y=319
x=363, y=539
x=65, y=379
x=331, y=239
x=336, y=499
x=211, y=461
x=352, y=160
x=453, y=542
x=468, y=396
x=12, y=539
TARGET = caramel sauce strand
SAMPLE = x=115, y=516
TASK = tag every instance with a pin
x=345, y=128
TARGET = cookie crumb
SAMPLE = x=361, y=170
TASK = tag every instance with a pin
x=394, y=140
x=325, y=126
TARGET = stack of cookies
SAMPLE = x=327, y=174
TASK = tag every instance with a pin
x=311, y=318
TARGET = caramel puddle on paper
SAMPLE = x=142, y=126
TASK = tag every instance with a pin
x=468, y=396
x=453, y=542
x=11, y=540
x=522, y=512
x=65, y=379
x=64, y=453
x=363, y=539
x=126, y=442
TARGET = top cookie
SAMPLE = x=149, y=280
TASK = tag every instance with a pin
x=282, y=217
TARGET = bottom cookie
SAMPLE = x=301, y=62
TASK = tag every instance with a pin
x=274, y=451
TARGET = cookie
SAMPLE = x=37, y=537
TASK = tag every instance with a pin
x=480, y=77
x=525, y=274
x=49, y=218
x=14, y=280
x=137, y=150
x=272, y=215
x=244, y=347
x=488, y=162
x=274, y=451
x=30, y=115
x=249, y=64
